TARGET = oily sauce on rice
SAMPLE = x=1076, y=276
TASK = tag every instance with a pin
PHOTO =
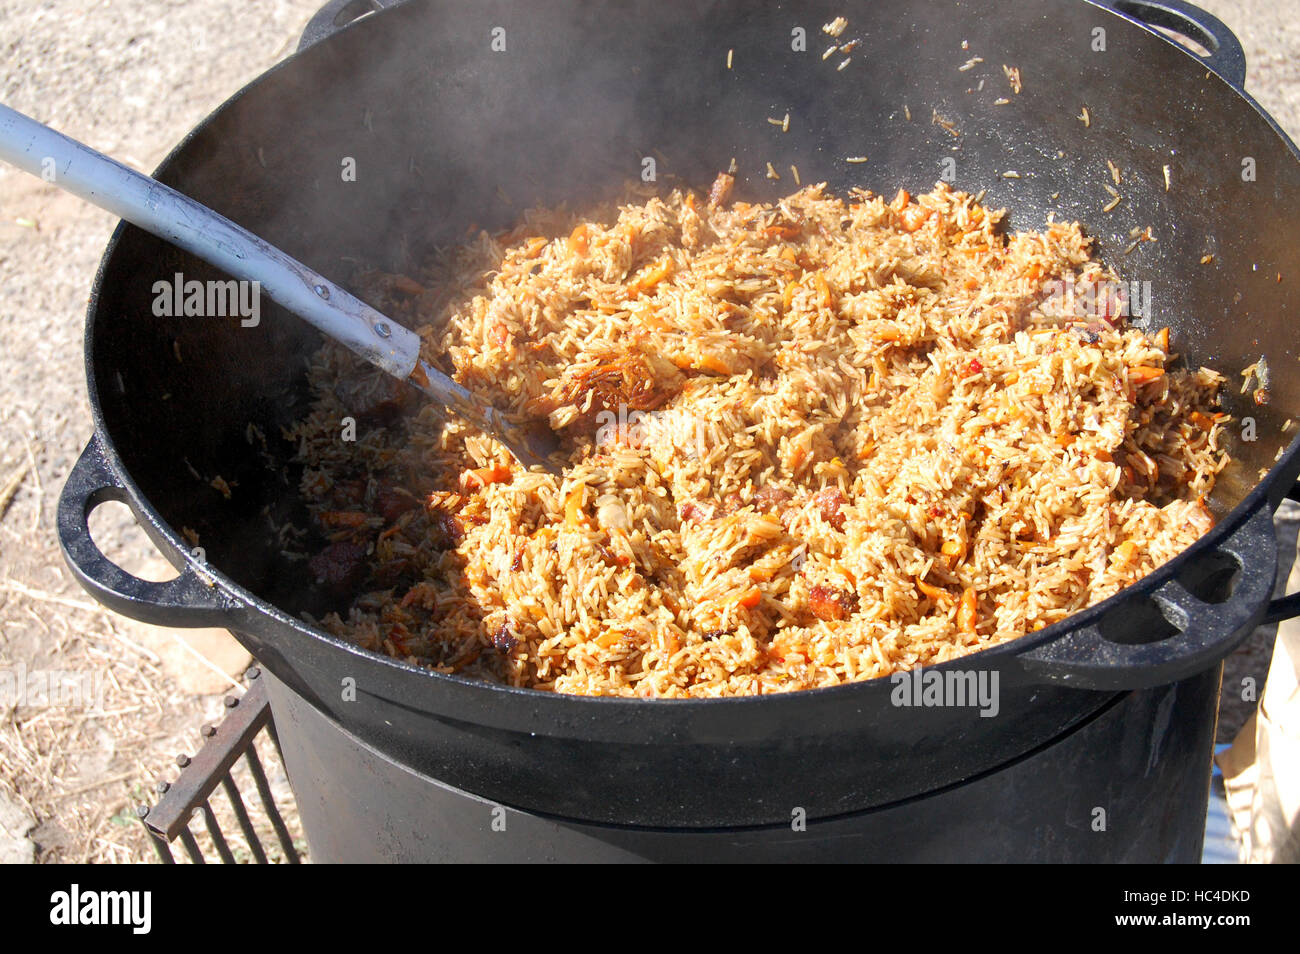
x=810, y=441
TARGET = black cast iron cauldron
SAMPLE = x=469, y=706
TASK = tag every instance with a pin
x=447, y=129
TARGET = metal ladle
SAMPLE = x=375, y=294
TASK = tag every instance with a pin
x=178, y=219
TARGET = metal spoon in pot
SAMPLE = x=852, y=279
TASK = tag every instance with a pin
x=178, y=219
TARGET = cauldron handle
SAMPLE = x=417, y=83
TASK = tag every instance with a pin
x=1225, y=54
x=1096, y=655
x=191, y=599
x=337, y=14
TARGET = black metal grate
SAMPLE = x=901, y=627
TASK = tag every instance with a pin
x=214, y=766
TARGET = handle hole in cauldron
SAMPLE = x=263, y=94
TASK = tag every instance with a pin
x=1213, y=578
x=354, y=11
x=1138, y=621
x=1191, y=42
x=116, y=532
x=1177, y=28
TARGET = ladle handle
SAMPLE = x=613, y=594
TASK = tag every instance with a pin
x=188, y=224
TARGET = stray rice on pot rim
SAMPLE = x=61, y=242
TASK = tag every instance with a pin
x=808, y=442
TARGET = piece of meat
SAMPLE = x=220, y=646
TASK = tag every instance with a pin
x=627, y=380
x=446, y=528
x=829, y=502
x=610, y=558
x=447, y=531
x=694, y=513
x=769, y=499
x=503, y=638
x=395, y=574
x=619, y=384
x=391, y=501
x=829, y=603
x=340, y=566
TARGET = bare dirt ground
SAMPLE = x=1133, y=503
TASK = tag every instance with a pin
x=132, y=77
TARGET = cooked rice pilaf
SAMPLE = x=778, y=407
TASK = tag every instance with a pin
x=813, y=441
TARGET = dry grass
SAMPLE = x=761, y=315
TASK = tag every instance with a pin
x=80, y=770
x=150, y=74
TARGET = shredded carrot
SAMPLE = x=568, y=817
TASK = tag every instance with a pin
x=535, y=246
x=1144, y=374
x=750, y=598
x=651, y=277
x=966, y=612
x=783, y=231
x=573, y=515
x=913, y=217
x=824, y=289
x=781, y=650
x=483, y=476
x=609, y=638
x=500, y=334
x=787, y=295
x=933, y=592
x=579, y=240
x=713, y=363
